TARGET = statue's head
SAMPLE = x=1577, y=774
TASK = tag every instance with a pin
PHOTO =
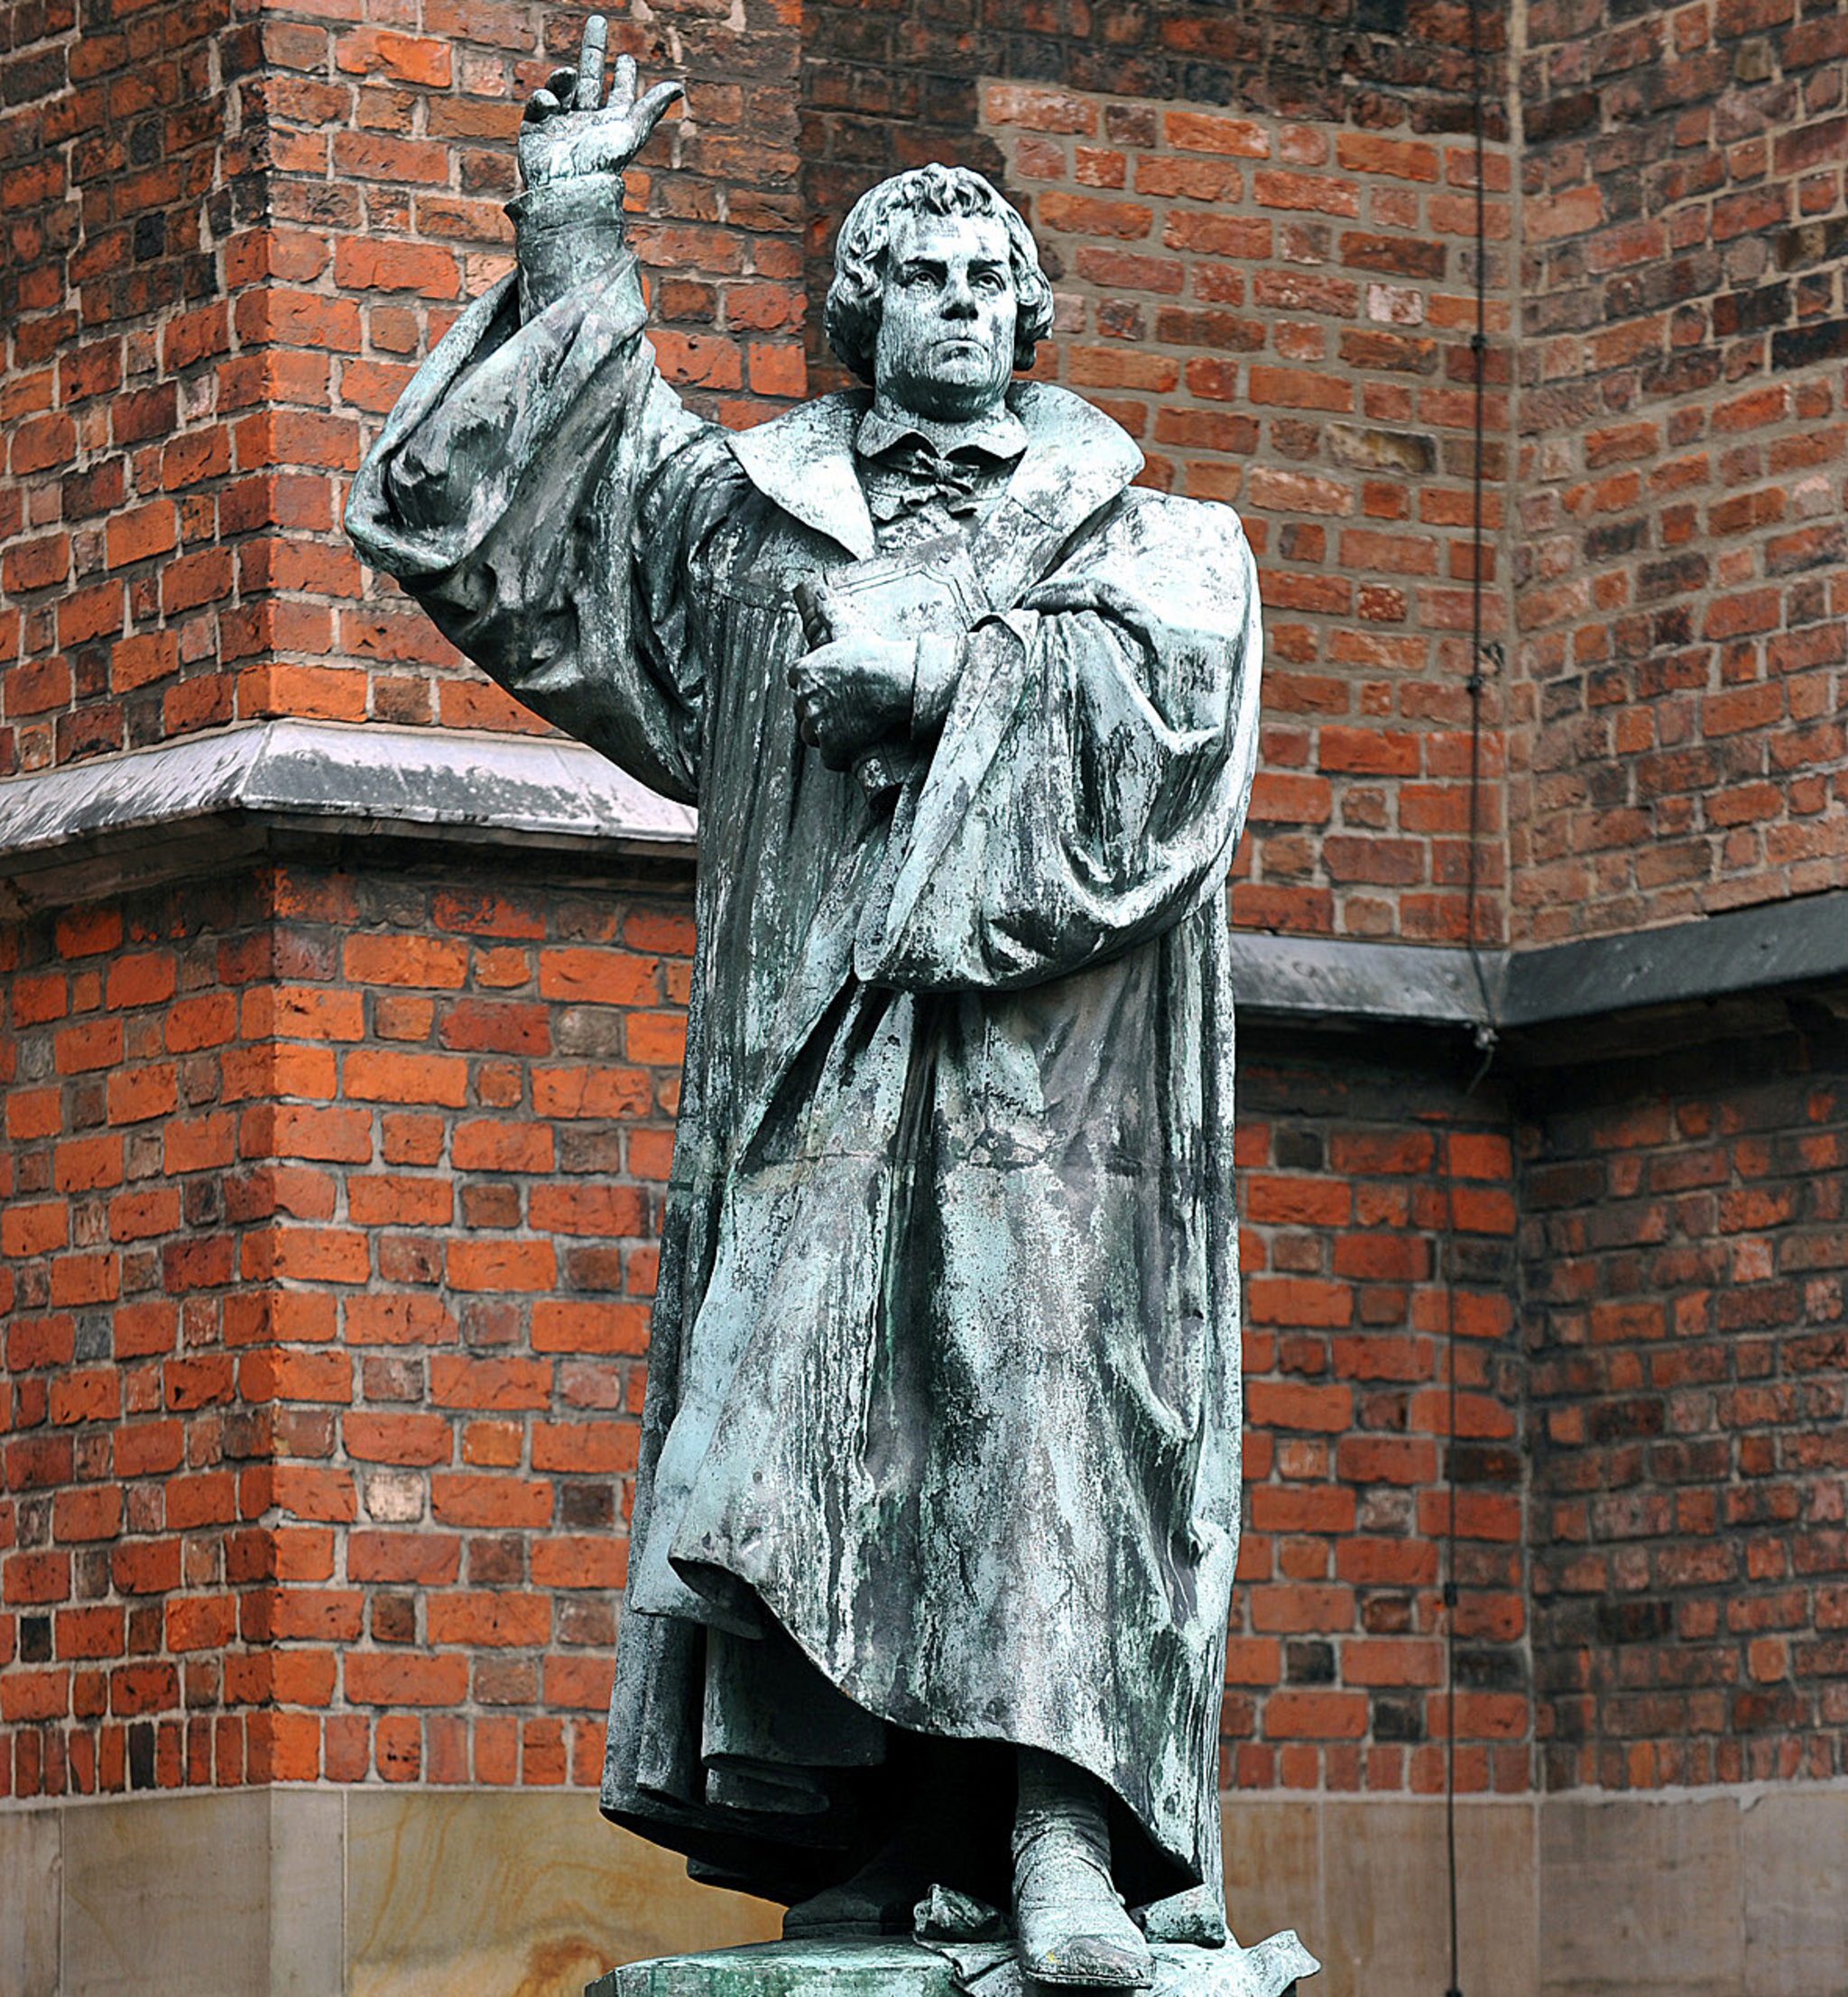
x=937, y=293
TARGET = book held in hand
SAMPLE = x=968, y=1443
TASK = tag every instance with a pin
x=928, y=591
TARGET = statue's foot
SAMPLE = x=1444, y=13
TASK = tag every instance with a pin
x=1069, y=1923
x=1070, y=1929
x=1195, y=1917
x=881, y=1898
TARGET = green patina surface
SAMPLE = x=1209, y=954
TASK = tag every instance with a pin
x=910, y=1969
x=785, y=1969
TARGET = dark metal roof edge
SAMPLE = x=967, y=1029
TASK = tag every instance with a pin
x=1764, y=947
x=1336, y=979
x=1799, y=941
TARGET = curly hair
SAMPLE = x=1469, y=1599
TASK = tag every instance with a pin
x=850, y=317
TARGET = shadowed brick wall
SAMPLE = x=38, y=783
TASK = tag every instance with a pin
x=135, y=1456
x=1682, y=670
x=888, y=86
x=1378, y=1222
x=1260, y=223
x=124, y=160
x=1683, y=1259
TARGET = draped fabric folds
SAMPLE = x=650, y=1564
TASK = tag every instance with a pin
x=941, y=1430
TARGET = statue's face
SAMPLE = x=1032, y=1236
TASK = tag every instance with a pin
x=945, y=346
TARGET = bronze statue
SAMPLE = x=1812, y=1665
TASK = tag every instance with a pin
x=936, y=1510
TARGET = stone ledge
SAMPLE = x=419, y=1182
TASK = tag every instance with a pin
x=323, y=775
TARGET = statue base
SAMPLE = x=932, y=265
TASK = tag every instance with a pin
x=896, y=1968
x=905, y=1968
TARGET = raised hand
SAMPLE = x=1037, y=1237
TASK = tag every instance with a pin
x=570, y=129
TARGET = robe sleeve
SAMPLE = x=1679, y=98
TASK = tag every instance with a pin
x=1090, y=784
x=538, y=487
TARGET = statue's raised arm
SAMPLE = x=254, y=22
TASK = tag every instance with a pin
x=537, y=442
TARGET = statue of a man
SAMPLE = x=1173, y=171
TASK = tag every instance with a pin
x=936, y=1509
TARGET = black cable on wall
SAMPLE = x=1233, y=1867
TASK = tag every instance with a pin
x=1481, y=655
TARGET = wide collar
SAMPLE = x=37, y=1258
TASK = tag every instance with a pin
x=1000, y=434
x=1076, y=460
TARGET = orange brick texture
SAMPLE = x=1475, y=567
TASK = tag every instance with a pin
x=330, y=1206
x=1684, y=1270
x=1281, y=315
x=1379, y=1237
x=213, y=294
x=1679, y=577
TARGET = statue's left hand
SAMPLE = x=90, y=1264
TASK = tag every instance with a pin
x=852, y=692
x=569, y=129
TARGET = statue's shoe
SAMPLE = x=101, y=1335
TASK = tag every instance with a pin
x=1091, y=1962
x=881, y=1898
x=1069, y=1924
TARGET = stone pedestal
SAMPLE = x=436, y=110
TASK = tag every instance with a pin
x=899, y=1968
x=960, y=1969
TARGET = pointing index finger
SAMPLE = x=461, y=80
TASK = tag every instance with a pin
x=589, y=94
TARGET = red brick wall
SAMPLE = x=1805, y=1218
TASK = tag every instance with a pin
x=1280, y=312
x=214, y=295
x=327, y=1245
x=1683, y=1259
x=1378, y=1223
x=393, y=156
x=1679, y=580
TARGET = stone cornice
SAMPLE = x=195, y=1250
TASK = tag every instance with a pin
x=164, y=812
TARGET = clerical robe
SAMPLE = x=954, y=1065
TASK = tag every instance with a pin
x=941, y=1431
